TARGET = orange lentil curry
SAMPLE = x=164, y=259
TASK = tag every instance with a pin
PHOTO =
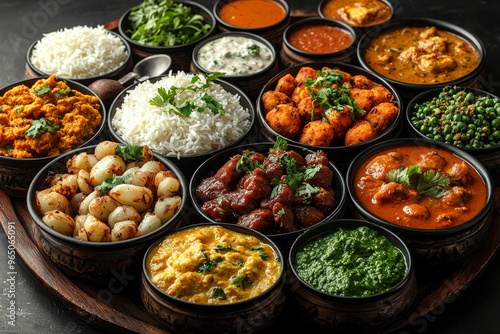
x=47, y=119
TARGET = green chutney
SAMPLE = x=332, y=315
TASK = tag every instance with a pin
x=354, y=263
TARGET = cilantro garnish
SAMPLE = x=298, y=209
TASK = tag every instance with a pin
x=131, y=152
x=8, y=147
x=430, y=183
x=220, y=248
x=257, y=249
x=280, y=143
x=264, y=256
x=218, y=293
x=306, y=191
x=253, y=49
x=41, y=90
x=245, y=164
x=41, y=125
x=113, y=181
x=281, y=211
x=402, y=175
x=62, y=92
x=207, y=265
x=19, y=109
x=241, y=281
x=166, y=99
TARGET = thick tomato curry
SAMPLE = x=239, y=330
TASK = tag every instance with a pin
x=420, y=187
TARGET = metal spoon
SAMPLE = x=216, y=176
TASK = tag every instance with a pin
x=108, y=89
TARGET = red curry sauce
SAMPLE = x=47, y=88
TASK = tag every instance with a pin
x=320, y=38
x=252, y=13
x=403, y=205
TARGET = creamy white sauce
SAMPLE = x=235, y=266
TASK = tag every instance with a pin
x=234, y=55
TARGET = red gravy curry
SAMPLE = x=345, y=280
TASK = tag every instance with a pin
x=320, y=38
x=425, y=201
x=421, y=55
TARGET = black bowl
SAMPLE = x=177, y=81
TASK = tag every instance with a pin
x=113, y=74
x=273, y=33
x=340, y=155
x=293, y=56
x=249, y=83
x=433, y=247
x=212, y=165
x=180, y=54
x=489, y=157
x=352, y=314
x=187, y=163
x=97, y=262
x=409, y=88
x=17, y=174
x=255, y=314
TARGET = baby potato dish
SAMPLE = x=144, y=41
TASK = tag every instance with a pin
x=213, y=265
x=117, y=193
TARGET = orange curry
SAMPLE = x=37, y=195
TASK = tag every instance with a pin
x=47, y=119
x=358, y=13
x=252, y=13
x=320, y=39
x=420, y=187
x=421, y=55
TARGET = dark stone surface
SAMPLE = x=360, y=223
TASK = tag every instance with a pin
x=474, y=310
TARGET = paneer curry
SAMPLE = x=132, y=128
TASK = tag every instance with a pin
x=213, y=265
x=358, y=13
x=328, y=107
x=421, y=55
x=420, y=187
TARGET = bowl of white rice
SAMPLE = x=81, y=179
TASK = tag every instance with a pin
x=81, y=53
x=191, y=123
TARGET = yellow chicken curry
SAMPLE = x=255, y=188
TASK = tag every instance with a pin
x=213, y=265
x=421, y=55
x=47, y=119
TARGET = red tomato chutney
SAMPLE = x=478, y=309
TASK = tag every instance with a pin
x=252, y=13
x=320, y=39
x=420, y=187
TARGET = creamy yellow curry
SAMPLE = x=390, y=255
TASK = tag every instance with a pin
x=46, y=119
x=421, y=55
x=213, y=265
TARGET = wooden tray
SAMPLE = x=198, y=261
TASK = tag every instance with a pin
x=123, y=311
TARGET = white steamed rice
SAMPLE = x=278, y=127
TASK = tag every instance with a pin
x=138, y=122
x=79, y=52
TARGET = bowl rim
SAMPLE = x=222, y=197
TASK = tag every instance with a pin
x=343, y=67
x=419, y=21
x=79, y=86
x=465, y=156
x=218, y=4
x=248, y=35
x=338, y=177
x=220, y=307
x=332, y=226
x=313, y=21
x=109, y=74
x=225, y=84
x=153, y=48
x=31, y=203
x=428, y=94
x=323, y=3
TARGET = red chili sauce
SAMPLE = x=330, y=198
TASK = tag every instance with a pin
x=320, y=39
x=252, y=13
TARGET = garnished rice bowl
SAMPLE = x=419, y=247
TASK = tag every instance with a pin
x=181, y=115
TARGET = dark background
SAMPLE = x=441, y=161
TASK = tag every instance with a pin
x=474, y=310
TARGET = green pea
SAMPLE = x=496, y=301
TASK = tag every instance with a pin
x=461, y=125
x=424, y=129
x=469, y=98
x=434, y=121
x=449, y=138
x=496, y=134
x=471, y=126
x=489, y=102
x=491, y=110
x=447, y=129
x=480, y=110
x=465, y=119
x=495, y=123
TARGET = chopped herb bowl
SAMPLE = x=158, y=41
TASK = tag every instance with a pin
x=194, y=23
x=254, y=315
x=283, y=237
x=17, y=174
x=357, y=308
x=441, y=197
x=99, y=262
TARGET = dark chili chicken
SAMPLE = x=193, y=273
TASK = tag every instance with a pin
x=282, y=192
x=420, y=187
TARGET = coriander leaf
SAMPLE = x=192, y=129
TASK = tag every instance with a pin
x=245, y=164
x=257, y=249
x=403, y=175
x=220, y=248
x=19, y=109
x=218, y=293
x=306, y=191
x=131, y=152
x=41, y=125
x=432, y=184
x=214, y=106
x=280, y=143
x=8, y=148
x=311, y=171
x=281, y=211
x=62, y=92
x=207, y=265
x=41, y=90
x=113, y=181
x=264, y=256
x=241, y=281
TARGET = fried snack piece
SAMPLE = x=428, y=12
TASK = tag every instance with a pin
x=382, y=115
x=286, y=84
x=340, y=121
x=317, y=133
x=284, y=119
x=271, y=99
x=305, y=73
x=361, y=131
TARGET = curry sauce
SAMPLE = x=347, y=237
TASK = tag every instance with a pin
x=213, y=265
x=46, y=119
x=421, y=55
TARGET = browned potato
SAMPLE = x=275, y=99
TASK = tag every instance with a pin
x=285, y=120
x=317, y=133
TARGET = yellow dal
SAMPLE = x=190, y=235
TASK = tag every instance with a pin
x=173, y=265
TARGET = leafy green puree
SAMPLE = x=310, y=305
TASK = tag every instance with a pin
x=353, y=263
